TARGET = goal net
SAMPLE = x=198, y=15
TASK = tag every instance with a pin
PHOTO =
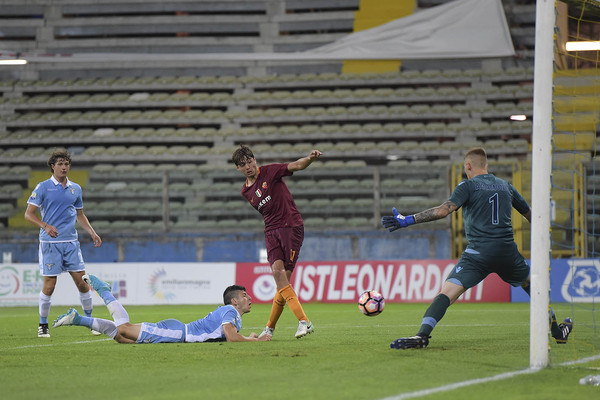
x=575, y=179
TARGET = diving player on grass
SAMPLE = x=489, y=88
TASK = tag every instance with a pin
x=266, y=191
x=223, y=324
x=487, y=202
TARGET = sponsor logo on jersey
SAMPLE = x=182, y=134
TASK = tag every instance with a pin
x=263, y=202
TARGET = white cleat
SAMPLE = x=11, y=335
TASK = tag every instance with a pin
x=71, y=317
x=267, y=332
x=95, y=333
x=304, y=328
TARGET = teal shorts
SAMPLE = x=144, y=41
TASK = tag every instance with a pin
x=56, y=258
x=473, y=267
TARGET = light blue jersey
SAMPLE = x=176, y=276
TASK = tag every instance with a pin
x=58, y=207
x=207, y=329
x=211, y=327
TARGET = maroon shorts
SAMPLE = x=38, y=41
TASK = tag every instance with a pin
x=284, y=244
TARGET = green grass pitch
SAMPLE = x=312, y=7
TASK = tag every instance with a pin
x=347, y=357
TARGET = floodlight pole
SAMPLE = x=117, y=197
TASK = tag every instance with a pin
x=540, y=184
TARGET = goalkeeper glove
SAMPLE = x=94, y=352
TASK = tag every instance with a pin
x=397, y=221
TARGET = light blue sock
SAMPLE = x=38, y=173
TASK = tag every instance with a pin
x=84, y=321
x=107, y=296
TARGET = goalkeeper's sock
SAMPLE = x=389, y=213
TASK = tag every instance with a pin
x=276, y=310
x=554, y=329
x=291, y=299
x=434, y=314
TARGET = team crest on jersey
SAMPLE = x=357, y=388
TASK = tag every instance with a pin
x=72, y=190
x=258, y=193
x=264, y=185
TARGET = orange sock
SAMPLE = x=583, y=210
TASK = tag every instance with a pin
x=291, y=299
x=276, y=310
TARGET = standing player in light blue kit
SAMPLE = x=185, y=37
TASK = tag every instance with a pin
x=487, y=203
x=223, y=324
x=60, y=204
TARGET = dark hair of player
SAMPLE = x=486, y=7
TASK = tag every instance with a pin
x=58, y=153
x=231, y=292
x=241, y=155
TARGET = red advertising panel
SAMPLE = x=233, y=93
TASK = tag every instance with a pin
x=411, y=281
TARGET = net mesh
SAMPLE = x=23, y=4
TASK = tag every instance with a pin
x=575, y=196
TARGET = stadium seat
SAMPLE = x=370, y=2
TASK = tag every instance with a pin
x=100, y=225
x=137, y=150
x=121, y=225
x=251, y=223
x=391, y=184
x=228, y=223
x=336, y=222
x=314, y=222
x=150, y=207
x=144, y=225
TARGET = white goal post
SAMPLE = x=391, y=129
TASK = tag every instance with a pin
x=540, y=177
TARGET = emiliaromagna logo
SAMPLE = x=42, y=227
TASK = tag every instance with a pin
x=156, y=286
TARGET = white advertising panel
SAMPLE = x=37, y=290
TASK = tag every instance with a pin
x=132, y=283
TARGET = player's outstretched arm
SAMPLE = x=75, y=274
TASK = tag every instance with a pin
x=304, y=162
x=398, y=220
x=232, y=335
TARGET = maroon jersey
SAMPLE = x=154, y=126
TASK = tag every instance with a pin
x=270, y=196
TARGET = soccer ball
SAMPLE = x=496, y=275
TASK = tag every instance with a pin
x=371, y=303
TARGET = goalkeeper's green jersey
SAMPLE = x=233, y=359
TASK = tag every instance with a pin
x=487, y=203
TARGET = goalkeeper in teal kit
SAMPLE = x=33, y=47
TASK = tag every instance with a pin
x=487, y=203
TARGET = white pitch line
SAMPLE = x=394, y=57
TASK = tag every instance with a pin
x=506, y=375
x=54, y=344
x=457, y=385
x=581, y=361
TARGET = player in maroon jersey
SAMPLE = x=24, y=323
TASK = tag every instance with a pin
x=267, y=192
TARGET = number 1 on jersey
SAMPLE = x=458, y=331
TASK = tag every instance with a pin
x=494, y=201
